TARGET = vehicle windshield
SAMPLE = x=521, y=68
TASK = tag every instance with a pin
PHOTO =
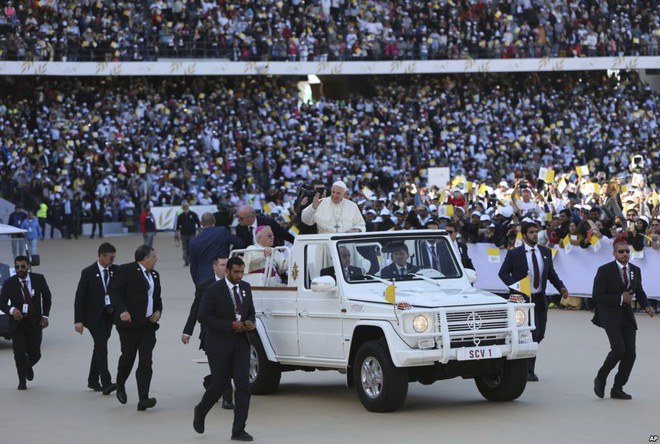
x=401, y=258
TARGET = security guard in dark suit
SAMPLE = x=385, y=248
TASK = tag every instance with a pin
x=227, y=315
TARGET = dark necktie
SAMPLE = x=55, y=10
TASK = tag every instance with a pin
x=27, y=297
x=434, y=257
x=251, y=229
x=239, y=302
x=535, y=264
x=625, y=276
x=106, y=279
x=402, y=271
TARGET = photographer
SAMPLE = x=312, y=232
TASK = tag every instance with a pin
x=304, y=198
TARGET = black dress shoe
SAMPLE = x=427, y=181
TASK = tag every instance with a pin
x=531, y=377
x=241, y=436
x=22, y=386
x=599, y=388
x=121, y=395
x=198, y=421
x=227, y=405
x=617, y=393
x=96, y=387
x=109, y=389
x=145, y=404
x=29, y=373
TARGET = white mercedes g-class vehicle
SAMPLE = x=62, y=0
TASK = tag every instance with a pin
x=386, y=309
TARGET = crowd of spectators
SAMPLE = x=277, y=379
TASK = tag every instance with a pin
x=104, y=147
x=320, y=30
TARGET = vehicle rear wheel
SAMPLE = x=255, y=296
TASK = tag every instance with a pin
x=506, y=385
x=264, y=374
x=381, y=386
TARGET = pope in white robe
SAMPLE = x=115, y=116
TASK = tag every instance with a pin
x=335, y=214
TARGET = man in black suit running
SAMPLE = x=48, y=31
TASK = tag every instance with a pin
x=615, y=285
x=93, y=310
x=135, y=297
x=227, y=315
x=26, y=297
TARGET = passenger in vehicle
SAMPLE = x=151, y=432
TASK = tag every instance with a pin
x=400, y=267
x=351, y=273
x=255, y=261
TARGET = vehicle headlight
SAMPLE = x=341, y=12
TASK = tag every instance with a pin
x=521, y=317
x=420, y=323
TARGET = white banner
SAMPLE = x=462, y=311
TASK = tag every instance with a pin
x=165, y=217
x=219, y=67
x=577, y=269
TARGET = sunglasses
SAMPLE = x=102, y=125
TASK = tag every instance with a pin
x=623, y=251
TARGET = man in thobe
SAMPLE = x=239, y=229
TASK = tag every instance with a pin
x=336, y=214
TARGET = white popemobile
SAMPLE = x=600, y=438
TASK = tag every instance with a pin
x=438, y=327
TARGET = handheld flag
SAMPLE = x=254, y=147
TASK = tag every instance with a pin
x=524, y=286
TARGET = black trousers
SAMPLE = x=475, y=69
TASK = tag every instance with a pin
x=26, y=343
x=98, y=367
x=622, y=343
x=136, y=341
x=223, y=366
x=540, y=320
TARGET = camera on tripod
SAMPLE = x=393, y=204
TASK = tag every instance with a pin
x=637, y=164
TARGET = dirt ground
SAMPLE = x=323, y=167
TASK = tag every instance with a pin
x=309, y=407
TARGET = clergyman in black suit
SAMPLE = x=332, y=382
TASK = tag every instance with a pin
x=135, y=296
x=249, y=221
x=536, y=261
x=615, y=285
x=219, y=272
x=400, y=267
x=227, y=315
x=93, y=310
x=210, y=243
x=351, y=273
x=26, y=297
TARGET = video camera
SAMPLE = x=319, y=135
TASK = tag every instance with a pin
x=306, y=190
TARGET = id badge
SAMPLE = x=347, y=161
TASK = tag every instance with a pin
x=25, y=308
x=107, y=299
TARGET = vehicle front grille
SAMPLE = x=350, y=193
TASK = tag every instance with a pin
x=475, y=320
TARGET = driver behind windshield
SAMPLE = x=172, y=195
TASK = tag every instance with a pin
x=400, y=266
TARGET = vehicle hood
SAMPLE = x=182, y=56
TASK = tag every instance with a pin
x=423, y=294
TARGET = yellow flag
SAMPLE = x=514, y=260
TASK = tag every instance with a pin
x=566, y=241
x=266, y=208
x=294, y=230
x=582, y=170
x=482, y=189
x=390, y=294
x=450, y=210
x=524, y=286
x=595, y=241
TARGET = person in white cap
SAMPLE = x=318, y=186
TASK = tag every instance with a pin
x=336, y=214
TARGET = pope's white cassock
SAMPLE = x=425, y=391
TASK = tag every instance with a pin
x=334, y=218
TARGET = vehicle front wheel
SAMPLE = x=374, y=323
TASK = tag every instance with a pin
x=381, y=386
x=264, y=374
x=506, y=385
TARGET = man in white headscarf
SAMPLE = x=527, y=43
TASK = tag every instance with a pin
x=335, y=214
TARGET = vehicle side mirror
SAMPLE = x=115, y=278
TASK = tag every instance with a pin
x=324, y=284
x=471, y=275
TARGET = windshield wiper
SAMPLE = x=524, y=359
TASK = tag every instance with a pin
x=426, y=279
